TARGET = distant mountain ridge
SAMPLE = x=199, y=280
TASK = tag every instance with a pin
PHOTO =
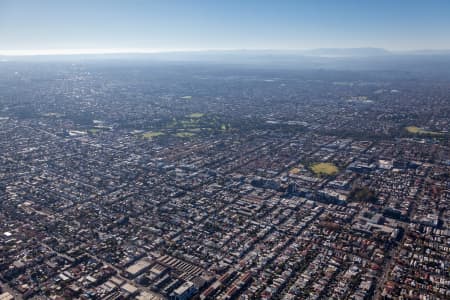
x=362, y=52
x=348, y=52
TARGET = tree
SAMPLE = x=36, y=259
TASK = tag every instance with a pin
x=363, y=194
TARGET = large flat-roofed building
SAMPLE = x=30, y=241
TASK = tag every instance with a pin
x=183, y=292
x=138, y=268
x=6, y=296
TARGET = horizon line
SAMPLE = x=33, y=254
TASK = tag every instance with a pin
x=86, y=51
x=93, y=51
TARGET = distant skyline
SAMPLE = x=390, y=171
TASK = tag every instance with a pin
x=113, y=26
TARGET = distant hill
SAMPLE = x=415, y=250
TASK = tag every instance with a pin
x=347, y=52
x=248, y=54
x=434, y=63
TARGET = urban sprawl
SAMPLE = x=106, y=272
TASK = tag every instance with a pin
x=151, y=181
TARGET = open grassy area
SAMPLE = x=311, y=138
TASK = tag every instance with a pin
x=196, y=115
x=184, y=134
x=324, y=169
x=195, y=123
x=98, y=129
x=94, y=130
x=152, y=134
x=418, y=130
x=225, y=127
x=187, y=123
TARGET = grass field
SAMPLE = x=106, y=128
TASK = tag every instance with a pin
x=151, y=134
x=324, y=169
x=184, y=134
x=417, y=130
x=196, y=115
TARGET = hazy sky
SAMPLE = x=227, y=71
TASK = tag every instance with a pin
x=37, y=25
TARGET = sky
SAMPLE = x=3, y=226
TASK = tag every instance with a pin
x=41, y=26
